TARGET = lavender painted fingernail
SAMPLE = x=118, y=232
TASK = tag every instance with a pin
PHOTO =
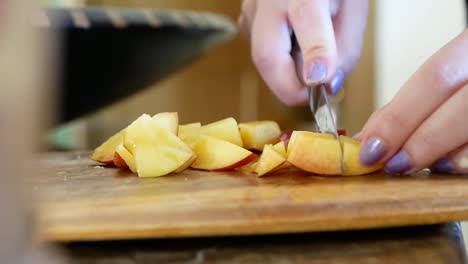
x=316, y=73
x=372, y=151
x=443, y=165
x=337, y=82
x=400, y=163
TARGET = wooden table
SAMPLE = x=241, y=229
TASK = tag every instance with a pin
x=103, y=215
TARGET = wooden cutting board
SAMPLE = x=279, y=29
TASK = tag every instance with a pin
x=80, y=200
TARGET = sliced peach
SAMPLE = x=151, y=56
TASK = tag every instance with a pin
x=127, y=157
x=168, y=120
x=157, y=151
x=190, y=132
x=280, y=147
x=225, y=129
x=269, y=160
x=315, y=152
x=217, y=154
x=105, y=152
x=119, y=162
x=256, y=134
x=321, y=154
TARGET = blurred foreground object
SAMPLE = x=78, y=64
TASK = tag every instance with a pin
x=23, y=88
x=109, y=54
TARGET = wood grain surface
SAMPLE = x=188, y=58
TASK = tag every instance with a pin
x=435, y=244
x=80, y=201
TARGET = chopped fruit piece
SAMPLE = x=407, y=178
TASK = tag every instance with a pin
x=269, y=160
x=225, y=129
x=280, y=148
x=342, y=132
x=249, y=168
x=315, y=152
x=168, y=120
x=217, y=154
x=154, y=161
x=285, y=165
x=186, y=164
x=353, y=166
x=285, y=136
x=157, y=151
x=256, y=134
x=321, y=154
x=189, y=133
x=105, y=152
x=127, y=157
x=119, y=162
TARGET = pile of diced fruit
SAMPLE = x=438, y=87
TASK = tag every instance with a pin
x=158, y=145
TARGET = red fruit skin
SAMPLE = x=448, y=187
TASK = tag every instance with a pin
x=286, y=136
x=241, y=163
x=342, y=132
x=119, y=162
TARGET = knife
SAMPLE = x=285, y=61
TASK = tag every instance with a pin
x=319, y=102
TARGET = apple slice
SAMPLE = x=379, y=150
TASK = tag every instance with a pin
x=269, y=160
x=218, y=154
x=225, y=129
x=315, y=152
x=190, y=132
x=187, y=164
x=321, y=154
x=105, y=152
x=280, y=147
x=285, y=136
x=352, y=165
x=168, y=120
x=249, y=168
x=126, y=157
x=119, y=162
x=157, y=151
x=256, y=134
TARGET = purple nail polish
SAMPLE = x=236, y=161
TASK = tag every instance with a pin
x=316, y=73
x=399, y=163
x=372, y=151
x=337, y=82
x=443, y=165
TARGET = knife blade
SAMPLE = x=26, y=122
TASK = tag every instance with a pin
x=319, y=103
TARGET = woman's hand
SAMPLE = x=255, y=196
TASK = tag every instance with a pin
x=426, y=124
x=329, y=32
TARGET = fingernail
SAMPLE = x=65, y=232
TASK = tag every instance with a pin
x=443, y=165
x=372, y=151
x=337, y=82
x=316, y=73
x=399, y=163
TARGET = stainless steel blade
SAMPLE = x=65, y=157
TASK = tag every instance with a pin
x=325, y=117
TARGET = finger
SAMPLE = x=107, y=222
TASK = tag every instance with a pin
x=456, y=162
x=444, y=131
x=312, y=25
x=437, y=80
x=245, y=19
x=349, y=25
x=271, y=46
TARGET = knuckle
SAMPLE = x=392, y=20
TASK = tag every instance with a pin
x=444, y=76
x=420, y=147
x=390, y=121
